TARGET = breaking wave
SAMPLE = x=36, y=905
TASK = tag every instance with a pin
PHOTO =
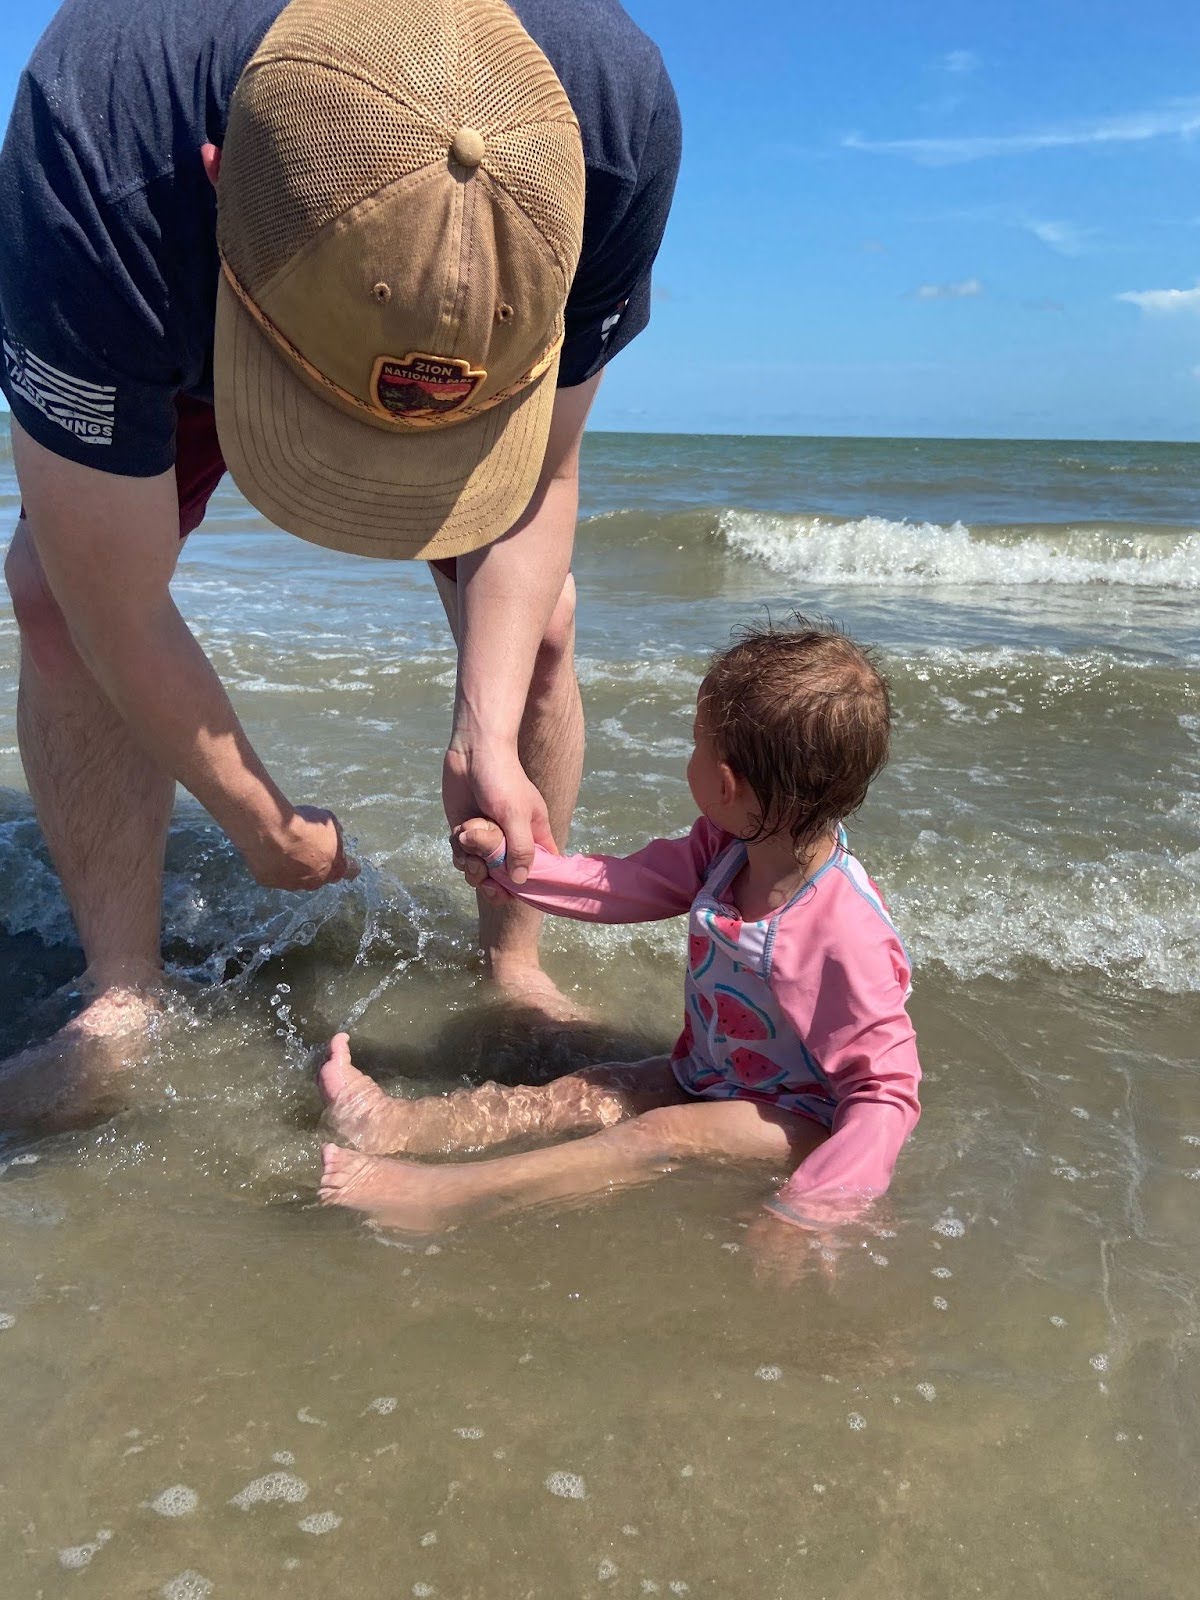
x=878, y=551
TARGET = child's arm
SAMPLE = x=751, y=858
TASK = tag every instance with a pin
x=854, y=1022
x=660, y=880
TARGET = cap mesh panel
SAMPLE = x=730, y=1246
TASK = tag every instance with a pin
x=285, y=172
x=345, y=96
x=544, y=175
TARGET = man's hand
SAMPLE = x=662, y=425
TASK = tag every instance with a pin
x=489, y=784
x=309, y=853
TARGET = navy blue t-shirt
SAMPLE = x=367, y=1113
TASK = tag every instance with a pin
x=108, y=255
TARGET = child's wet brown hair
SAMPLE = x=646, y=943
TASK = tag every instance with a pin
x=803, y=715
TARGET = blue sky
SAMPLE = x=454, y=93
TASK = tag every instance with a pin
x=927, y=219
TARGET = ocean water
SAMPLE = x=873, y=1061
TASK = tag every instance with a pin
x=209, y=1386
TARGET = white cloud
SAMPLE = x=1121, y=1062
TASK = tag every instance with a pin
x=958, y=61
x=1065, y=237
x=1163, y=300
x=1177, y=121
x=966, y=290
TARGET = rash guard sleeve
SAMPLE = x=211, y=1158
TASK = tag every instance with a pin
x=661, y=880
x=847, y=1002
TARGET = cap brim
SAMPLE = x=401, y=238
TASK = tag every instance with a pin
x=315, y=471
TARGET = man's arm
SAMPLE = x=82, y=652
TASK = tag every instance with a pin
x=507, y=593
x=108, y=545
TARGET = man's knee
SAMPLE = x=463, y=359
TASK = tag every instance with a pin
x=556, y=653
x=44, y=632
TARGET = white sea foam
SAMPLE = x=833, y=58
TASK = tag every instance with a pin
x=272, y=1486
x=320, y=1522
x=177, y=1501
x=567, y=1485
x=1135, y=917
x=869, y=551
x=189, y=1585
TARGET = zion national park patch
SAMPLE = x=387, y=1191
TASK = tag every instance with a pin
x=421, y=386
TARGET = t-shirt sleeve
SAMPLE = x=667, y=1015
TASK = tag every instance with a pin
x=609, y=303
x=87, y=366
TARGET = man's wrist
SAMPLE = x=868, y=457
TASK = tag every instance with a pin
x=469, y=737
x=261, y=825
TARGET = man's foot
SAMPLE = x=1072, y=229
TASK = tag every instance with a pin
x=356, y=1109
x=394, y=1194
x=524, y=984
x=68, y=1079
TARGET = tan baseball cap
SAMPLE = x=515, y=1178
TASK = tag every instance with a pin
x=399, y=217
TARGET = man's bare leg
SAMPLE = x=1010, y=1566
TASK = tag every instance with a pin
x=426, y=1199
x=361, y=1115
x=103, y=809
x=551, y=749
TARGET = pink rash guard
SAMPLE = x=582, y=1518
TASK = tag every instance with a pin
x=804, y=1009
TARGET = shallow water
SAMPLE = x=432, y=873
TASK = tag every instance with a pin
x=207, y=1385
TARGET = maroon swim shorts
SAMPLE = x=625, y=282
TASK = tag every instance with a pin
x=199, y=464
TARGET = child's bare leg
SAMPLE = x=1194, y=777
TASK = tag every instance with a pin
x=360, y=1114
x=424, y=1199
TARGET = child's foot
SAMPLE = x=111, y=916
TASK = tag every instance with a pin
x=395, y=1194
x=356, y=1109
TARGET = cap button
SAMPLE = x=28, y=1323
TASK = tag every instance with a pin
x=468, y=147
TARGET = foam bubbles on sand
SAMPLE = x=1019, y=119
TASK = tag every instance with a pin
x=320, y=1522
x=188, y=1585
x=177, y=1501
x=567, y=1485
x=469, y=1433
x=927, y=1391
x=769, y=1374
x=272, y=1486
x=77, y=1556
x=950, y=1226
x=857, y=1421
x=7, y=1320
x=383, y=1405
x=606, y=1570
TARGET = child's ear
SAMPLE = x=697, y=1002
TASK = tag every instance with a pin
x=731, y=784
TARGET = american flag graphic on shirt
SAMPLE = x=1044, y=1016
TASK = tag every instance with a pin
x=85, y=410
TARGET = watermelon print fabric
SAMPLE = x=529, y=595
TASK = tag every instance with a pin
x=803, y=1010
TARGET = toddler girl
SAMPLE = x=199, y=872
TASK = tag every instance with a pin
x=796, y=1046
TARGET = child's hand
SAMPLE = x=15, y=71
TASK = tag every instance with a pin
x=786, y=1255
x=473, y=843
